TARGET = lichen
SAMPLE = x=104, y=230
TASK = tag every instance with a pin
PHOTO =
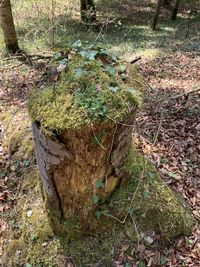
x=87, y=92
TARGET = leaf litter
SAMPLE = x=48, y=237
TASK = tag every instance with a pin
x=169, y=135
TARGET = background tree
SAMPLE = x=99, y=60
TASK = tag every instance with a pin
x=7, y=24
x=175, y=9
x=88, y=10
x=156, y=14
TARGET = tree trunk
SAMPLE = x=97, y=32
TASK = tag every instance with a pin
x=156, y=14
x=8, y=27
x=175, y=9
x=88, y=10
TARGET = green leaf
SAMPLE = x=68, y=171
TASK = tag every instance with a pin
x=26, y=163
x=34, y=237
x=79, y=71
x=187, y=161
x=163, y=261
x=171, y=174
x=57, y=56
x=132, y=90
x=84, y=53
x=96, y=139
x=151, y=174
x=127, y=265
x=95, y=199
x=122, y=68
x=89, y=54
x=3, y=173
x=146, y=194
x=78, y=44
x=141, y=264
x=98, y=214
x=28, y=265
x=63, y=61
x=92, y=54
x=99, y=184
x=111, y=70
x=113, y=89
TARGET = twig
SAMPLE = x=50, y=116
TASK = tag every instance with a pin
x=111, y=147
x=97, y=138
x=136, y=230
x=19, y=57
x=135, y=60
x=185, y=93
x=11, y=67
x=159, y=127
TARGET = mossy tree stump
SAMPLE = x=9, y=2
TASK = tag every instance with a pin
x=77, y=169
x=83, y=115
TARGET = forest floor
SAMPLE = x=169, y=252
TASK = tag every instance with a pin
x=169, y=124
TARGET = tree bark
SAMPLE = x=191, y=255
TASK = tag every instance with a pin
x=156, y=15
x=72, y=164
x=175, y=9
x=8, y=27
x=88, y=10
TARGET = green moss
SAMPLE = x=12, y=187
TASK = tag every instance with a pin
x=153, y=204
x=87, y=92
x=18, y=140
x=36, y=243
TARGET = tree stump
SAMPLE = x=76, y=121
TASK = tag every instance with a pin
x=94, y=179
x=74, y=166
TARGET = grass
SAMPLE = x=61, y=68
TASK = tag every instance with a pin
x=42, y=26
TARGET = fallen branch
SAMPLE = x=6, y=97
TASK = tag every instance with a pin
x=185, y=93
x=11, y=67
x=135, y=60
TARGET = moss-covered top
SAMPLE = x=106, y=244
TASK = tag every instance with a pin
x=88, y=85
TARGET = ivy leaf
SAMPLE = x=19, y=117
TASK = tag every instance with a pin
x=141, y=264
x=84, y=53
x=132, y=90
x=122, y=68
x=151, y=175
x=79, y=71
x=3, y=173
x=171, y=174
x=26, y=163
x=163, y=261
x=63, y=61
x=95, y=199
x=77, y=44
x=146, y=194
x=92, y=54
x=111, y=70
x=99, y=184
x=114, y=89
x=89, y=54
x=98, y=214
x=57, y=56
